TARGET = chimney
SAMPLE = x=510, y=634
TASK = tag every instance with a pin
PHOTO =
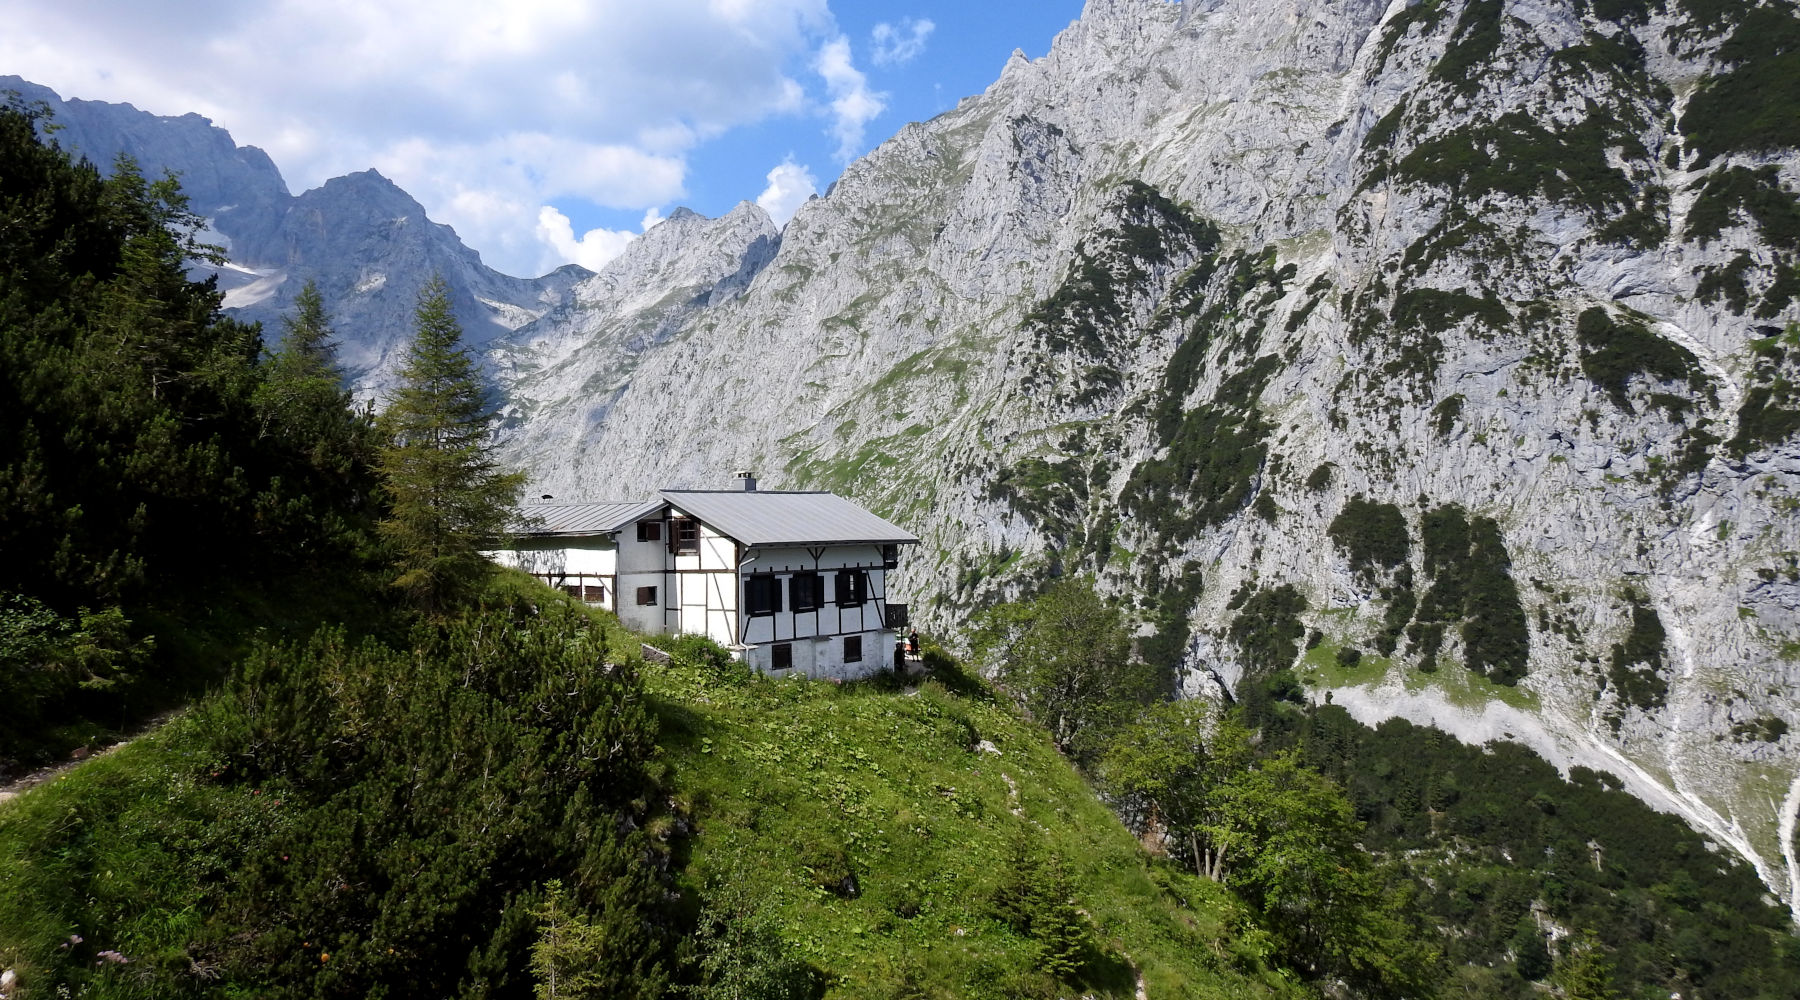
x=746, y=481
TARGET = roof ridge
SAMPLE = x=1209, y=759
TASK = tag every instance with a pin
x=758, y=492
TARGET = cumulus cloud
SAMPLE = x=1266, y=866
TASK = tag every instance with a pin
x=895, y=45
x=853, y=104
x=790, y=185
x=593, y=250
x=456, y=100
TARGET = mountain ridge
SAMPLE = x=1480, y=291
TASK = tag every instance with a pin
x=367, y=244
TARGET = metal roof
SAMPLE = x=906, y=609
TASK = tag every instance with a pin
x=779, y=517
x=581, y=518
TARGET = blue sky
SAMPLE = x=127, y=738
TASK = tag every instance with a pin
x=545, y=131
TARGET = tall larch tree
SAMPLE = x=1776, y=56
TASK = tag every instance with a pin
x=449, y=498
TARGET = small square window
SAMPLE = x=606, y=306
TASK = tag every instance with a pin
x=646, y=597
x=853, y=649
x=781, y=656
x=649, y=531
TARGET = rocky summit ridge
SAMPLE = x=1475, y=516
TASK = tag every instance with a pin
x=366, y=243
x=1437, y=352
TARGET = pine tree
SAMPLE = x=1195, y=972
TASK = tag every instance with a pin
x=448, y=497
x=301, y=379
x=318, y=505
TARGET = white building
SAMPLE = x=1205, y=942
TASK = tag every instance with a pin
x=789, y=581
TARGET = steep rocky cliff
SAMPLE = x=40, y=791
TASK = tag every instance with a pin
x=1455, y=333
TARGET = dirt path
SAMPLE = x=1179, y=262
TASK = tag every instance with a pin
x=13, y=788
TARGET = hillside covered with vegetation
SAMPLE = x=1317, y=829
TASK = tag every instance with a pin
x=399, y=775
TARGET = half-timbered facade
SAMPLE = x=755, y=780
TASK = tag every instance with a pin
x=789, y=581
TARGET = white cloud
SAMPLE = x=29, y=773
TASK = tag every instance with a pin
x=853, y=104
x=903, y=44
x=593, y=250
x=485, y=112
x=790, y=185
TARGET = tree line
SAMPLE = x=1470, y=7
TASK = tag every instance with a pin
x=160, y=468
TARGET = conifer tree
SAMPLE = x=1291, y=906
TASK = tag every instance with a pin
x=326, y=446
x=302, y=379
x=448, y=496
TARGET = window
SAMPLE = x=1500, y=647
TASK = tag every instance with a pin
x=649, y=531
x=807, y=590
x=762, y=594
x=684, y=537
x=853, y=649
x=852, y=588
x=890, y=556
x=781, y=656
x=646, y=597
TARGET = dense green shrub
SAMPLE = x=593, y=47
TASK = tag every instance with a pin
x=1373, y=536
x=356, y=820
x=1214, y=459
x=1471, y=582
x=1636, y=665
x=1268, y=630
x=1320, y=479
x=1770, y=411
x=1490, y=833
x=1496, y=638
x=1751, y=106
x=157, y=469
x=1066, y=656
x=1613, y=353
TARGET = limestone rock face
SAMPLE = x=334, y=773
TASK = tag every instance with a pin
x=1457, y=332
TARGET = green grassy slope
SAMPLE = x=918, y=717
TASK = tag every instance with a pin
x=923, y=798
x=900, y=842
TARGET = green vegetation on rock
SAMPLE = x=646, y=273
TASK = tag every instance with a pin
x=1636, y=665
x=1749, y=107
x=1496, y=839
x=1770, y=411
x=1615, y=352
x=1471, y=582
x=1373, y=536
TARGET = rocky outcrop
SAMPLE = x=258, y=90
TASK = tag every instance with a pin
x=1514, y=276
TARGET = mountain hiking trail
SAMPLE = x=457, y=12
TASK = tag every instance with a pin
x=12, y=788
